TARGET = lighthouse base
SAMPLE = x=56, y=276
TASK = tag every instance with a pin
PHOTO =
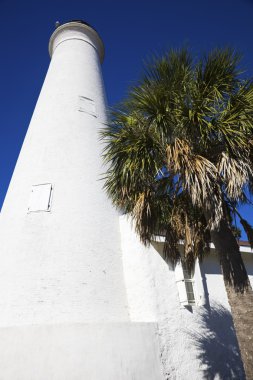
x=103, y=351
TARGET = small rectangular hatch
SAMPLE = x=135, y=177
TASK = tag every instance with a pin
x=40, y=198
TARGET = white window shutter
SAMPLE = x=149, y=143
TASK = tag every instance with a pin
x=40, y=198
x=87, y=105
x=179, y=276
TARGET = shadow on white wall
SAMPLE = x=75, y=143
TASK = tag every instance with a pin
x=217, y=345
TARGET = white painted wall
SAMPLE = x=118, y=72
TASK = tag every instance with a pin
x=63, y=265
x=196, y=343
x=107, y=351
x=248, y=261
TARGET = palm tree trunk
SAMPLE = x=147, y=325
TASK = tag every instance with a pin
x=239, y=292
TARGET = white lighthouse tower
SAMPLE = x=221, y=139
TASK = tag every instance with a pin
x=63, y=302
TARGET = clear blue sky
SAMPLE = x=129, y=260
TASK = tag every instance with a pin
x=131, y=30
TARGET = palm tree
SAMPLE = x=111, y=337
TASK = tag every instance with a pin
x=180, y=153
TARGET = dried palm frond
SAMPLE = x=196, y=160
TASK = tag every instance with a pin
x=143, y=218
x=170, y=250
x=199, y=178
x=235, y=172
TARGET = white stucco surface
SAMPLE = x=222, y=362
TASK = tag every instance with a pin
x=62, y=265
x=111, y=351
x=248, y=261
x=196, y=342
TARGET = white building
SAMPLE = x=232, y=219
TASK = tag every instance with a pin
x=80, y=297
x=196, y=331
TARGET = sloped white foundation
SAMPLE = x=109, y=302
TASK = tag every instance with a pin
x=109, y=351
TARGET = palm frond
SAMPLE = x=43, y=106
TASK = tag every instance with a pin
x=235, y=173
x=199, y=178
x=179, y=149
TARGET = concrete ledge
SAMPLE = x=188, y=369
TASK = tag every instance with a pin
x=109, y=351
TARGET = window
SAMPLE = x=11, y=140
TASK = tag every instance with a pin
x=186, y=284
x=87, y=105
x=189, y=283
x=40, y=198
